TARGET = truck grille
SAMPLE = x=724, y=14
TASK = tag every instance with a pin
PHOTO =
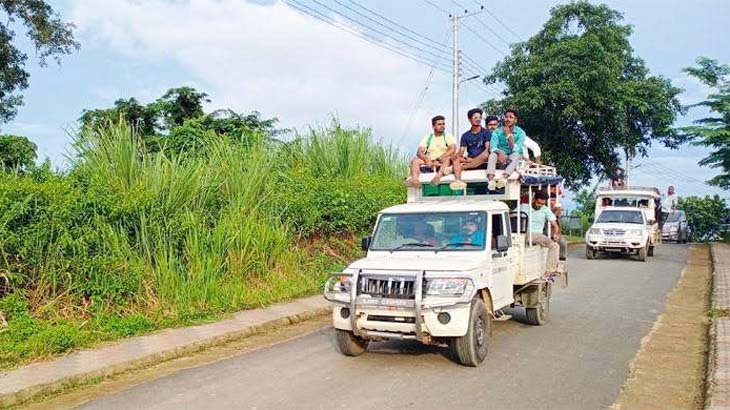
x=614, y=232
x=387, y=287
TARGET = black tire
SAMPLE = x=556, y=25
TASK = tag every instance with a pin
x=538, y=316
x=472, y=348
x=590, y=253
x=651, y=251
x=349, y=344
x=643, y=253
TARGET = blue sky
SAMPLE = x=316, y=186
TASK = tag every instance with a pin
x=265, y=56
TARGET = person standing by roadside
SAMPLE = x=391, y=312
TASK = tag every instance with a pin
x=475, y=144
x=434, y=153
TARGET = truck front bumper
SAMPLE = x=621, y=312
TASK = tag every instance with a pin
x=621, y=245
x=372, y=322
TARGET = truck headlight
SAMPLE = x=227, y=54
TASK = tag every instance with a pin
x=673, y=228
x=337, y=287
x=635, y=232
x=448, y=287
x=594, y=231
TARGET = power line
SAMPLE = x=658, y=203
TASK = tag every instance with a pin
x=360, y=23
x=674, y=174
x=432, y=41
x=422, y=95
x=436, y=6
x=498, y=20
x=484, y=39
x=401, y=33
x=494, y=32
x=305, y=9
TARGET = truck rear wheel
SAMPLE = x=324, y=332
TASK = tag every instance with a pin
x=472, y=348
x=349, y=344
x=643, y=252
x=538, y=316
x=651, y=251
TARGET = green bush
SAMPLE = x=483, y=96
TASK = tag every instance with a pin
x=129, y=234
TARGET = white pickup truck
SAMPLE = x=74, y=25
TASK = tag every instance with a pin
x=441, y=267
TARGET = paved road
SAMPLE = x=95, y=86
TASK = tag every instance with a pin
x=578, y=361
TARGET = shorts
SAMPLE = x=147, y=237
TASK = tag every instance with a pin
x=481, y=166
x=425, y=168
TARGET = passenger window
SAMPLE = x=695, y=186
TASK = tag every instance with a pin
x=499, y=228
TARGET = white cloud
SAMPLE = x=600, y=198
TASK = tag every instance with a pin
x=268, y=58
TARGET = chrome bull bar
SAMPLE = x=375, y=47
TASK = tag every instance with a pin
x=418, y=307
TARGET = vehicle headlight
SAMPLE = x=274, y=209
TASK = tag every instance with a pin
x=594, y=231
x=673, y=228
x=337, y=287
x=635, y=232
x=448, y=287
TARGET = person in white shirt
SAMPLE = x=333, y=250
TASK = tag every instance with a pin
x=669, y=201
x=532, y=146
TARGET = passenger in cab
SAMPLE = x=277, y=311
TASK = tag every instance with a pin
x=470, y=234
x=434, y=153
x=473, y=149
x=509, y=141
x=539, y=215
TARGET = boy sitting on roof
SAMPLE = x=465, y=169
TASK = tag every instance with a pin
x=434, y=153
x=475, y=143
x=508, y=141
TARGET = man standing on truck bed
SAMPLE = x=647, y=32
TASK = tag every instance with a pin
x=434, y=153
x=508, y=140
x=475, y=142
x=539, y=214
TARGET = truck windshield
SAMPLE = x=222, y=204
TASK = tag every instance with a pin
x=626, y=217
x=674, y=217
x=432, y=231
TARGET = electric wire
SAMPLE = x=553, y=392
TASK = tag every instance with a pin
x=498, y=20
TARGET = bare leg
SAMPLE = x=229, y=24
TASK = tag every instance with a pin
x=412, y=180
x=437, y=179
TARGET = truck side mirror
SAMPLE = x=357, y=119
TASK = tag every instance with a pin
x=502, y=243
x=365, y=243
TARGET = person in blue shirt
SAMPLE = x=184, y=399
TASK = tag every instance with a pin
x=507, y=142
x=470, y=235
x=473, y=149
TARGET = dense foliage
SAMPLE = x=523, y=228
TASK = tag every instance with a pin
x=714, y=131
x=133, y=239
x=51, y=37
x=583, y=94
x=708, y=217
x=16, y=153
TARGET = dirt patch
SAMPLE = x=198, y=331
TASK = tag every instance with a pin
x=668, y=372
x=79, y=395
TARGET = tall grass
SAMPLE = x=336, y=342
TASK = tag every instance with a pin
x=160, y=238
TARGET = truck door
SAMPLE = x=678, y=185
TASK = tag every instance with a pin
x=503, y=262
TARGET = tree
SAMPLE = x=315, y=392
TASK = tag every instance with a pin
x=142, y=117
x=585, y=202
x=16, y=152
x=180, y=104
x=714, y=131
x=705, y=216
x=51, y=37
x=583, y=95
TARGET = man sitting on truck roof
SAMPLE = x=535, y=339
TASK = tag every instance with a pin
x=539, y=214
x=475, y=144
x=434, y=153
x=508, y=140
x=530, y=145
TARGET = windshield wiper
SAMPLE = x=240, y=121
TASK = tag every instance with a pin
x=448, y=245
x=416, y=244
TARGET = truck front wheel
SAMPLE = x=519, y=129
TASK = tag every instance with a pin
x=590, y=253
x=472, y=348
x=643, y=252
x=349, y=344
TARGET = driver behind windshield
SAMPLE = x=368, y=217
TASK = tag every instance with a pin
x=470, y=234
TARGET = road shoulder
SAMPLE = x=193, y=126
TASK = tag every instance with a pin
x=668, y=372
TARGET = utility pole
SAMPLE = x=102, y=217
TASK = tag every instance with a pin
x=456, y=68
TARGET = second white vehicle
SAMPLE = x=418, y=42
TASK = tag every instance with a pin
x=622, y=230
